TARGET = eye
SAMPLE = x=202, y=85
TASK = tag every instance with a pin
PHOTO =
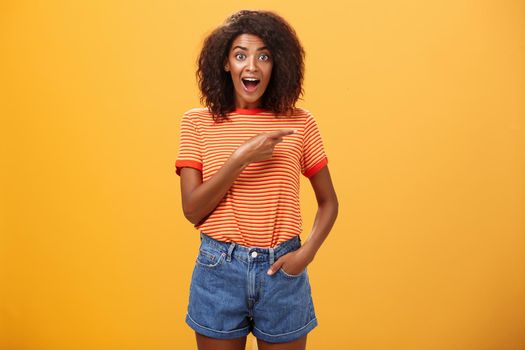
x=239, y=54
x=264, y=57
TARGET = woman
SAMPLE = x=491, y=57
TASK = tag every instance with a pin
x=240, y=161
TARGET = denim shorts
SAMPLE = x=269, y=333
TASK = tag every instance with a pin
x=231, y=294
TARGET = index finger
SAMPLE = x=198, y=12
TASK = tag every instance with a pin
x=282, y=132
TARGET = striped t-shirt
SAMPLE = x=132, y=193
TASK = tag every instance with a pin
x=261, y=208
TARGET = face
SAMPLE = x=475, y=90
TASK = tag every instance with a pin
x=250, y=65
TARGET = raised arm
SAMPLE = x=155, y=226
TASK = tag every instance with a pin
x=199, y=198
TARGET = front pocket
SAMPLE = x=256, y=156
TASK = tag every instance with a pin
x=286, y=274
x=209, y=258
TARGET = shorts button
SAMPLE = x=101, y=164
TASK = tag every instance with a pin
x=254, y=254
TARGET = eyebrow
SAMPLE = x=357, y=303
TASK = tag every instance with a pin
x=244, y=48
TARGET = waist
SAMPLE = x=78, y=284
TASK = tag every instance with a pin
x=254, y=253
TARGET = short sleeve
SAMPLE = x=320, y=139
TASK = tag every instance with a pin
x=313, y=156
x=190, y=146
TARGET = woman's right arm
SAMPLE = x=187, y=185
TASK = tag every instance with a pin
x=199, y=198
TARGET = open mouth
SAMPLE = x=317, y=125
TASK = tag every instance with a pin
x=250, y=84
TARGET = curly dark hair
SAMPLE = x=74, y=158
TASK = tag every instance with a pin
x=285, y=85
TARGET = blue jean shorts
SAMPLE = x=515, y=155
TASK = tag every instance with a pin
x=231, y=294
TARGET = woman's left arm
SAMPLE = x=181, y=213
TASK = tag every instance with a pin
x=328, y=207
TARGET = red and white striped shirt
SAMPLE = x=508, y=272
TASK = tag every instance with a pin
x=261, y=208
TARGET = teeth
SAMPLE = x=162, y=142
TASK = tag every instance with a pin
x=251, y=79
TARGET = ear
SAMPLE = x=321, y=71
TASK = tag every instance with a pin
x=227, y=67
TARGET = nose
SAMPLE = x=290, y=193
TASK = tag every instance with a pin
x=251, y=64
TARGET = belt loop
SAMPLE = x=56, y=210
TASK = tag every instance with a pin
x=230, y=250
x=271, y=256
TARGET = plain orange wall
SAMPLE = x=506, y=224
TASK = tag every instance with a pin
x=421, y=106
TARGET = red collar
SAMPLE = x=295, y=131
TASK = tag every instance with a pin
x=248, y=110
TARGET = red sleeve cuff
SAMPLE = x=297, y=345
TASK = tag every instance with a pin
x=314, y=169
x=179, y=164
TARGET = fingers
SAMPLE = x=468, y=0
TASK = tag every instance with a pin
x=276, y=266
x=280, y=133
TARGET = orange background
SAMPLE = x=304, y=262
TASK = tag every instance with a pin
x=422, y=109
